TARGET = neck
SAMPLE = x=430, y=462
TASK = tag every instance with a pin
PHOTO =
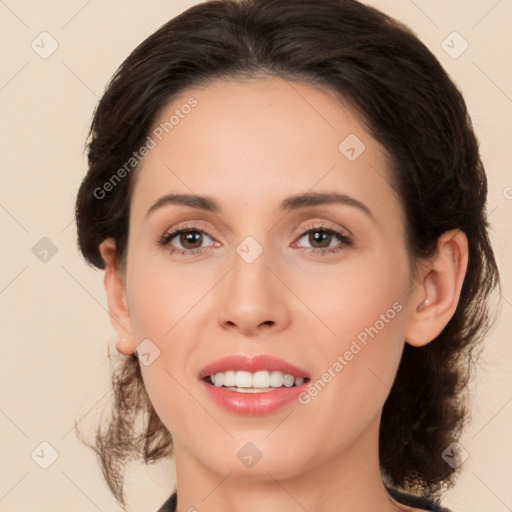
x=346, y=481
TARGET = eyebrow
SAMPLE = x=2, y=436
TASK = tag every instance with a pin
x=294, y=202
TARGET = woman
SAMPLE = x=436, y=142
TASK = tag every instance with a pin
x=288, y=202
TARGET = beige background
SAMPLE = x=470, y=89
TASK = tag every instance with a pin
x=55, y=327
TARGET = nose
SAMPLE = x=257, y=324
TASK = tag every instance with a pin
x=253, y=300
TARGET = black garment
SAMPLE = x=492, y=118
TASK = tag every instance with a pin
x=423, y=502
x=169, y=505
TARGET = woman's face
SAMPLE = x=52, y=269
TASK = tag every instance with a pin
x=322, y=285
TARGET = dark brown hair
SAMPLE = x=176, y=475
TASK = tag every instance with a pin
x=408, y=103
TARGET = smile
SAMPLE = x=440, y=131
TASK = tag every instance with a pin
x=252, y=385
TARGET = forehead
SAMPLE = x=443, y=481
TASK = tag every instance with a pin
x=253, y=141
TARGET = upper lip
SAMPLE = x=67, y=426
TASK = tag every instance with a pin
x=251, y=364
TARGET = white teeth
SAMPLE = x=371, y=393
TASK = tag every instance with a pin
x=219, y=379
x=262, y=380
x=230, y=378
x=289, y=380
x=243, y=379
x=250, y=390
x=276, y=379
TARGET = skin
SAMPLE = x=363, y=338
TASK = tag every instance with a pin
x=250, y=144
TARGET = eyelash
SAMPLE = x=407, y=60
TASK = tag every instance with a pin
x=345, y=240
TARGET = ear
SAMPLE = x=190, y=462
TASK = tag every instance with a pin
x=116, y=296
x=435, y=299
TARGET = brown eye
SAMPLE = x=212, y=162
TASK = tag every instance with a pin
x=186, y=240
x=321, y=237
x=321, y=240
x=190, y=239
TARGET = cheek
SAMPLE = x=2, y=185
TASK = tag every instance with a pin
x=366, y=313
x=355, y=374
x=161, y=305
x=160, y=298
x=368, y=294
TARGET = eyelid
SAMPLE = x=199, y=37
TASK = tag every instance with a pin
x=195, y=225
x=324, y=225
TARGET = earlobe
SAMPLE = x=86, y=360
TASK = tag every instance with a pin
x=125, y=346
x=434, y=301
x=116, y=296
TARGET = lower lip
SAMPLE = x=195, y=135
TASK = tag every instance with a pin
x=253, y=404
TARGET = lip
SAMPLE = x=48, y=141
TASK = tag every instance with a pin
x=252, y=404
